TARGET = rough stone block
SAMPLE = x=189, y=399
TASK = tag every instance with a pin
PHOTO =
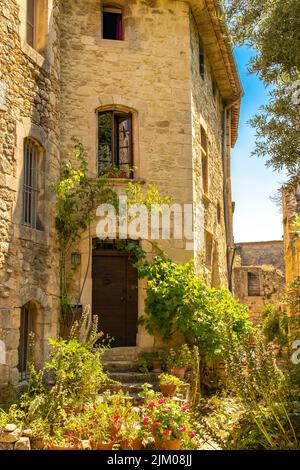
x=23, y=444
x=6, y=446
x=10, y=437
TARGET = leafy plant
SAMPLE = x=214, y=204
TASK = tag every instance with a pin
x=179, y=301
x=168, y=379
x=179, y=357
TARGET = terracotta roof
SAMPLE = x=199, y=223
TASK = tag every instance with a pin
x=215, y=37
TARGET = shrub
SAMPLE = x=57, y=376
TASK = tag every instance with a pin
x=179, y=301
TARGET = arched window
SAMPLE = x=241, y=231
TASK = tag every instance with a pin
x=32, y=184
x=115, y=149
x=26, y=327
x=112, y=23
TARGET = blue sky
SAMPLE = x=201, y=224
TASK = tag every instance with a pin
x=256, y=217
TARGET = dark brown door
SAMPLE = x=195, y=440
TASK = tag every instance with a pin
x=115, y=296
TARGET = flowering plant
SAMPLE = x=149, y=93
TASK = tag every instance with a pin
x=167, y=419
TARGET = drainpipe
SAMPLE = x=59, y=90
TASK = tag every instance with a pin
x=229, y=248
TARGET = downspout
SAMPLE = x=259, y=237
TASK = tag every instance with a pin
x=229, y=248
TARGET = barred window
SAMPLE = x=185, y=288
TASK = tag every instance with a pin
x=253, y=285
x=115, y=148
x=30, y=183
x=26, y=327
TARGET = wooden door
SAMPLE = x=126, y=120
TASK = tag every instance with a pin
x=115, y=296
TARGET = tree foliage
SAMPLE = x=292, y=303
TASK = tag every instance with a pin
x=272, y=29
x=178, y=300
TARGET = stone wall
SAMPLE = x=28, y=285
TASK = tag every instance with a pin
x=207, y=111
x=271, y=285
x=291, y=208
x=29, y=100
x=259, y=253
x=153, y=73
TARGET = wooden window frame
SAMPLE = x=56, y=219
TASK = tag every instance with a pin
x=115, y=148
x=39, y=26
x=253, y=293
x=112, y=8
x=33, y=189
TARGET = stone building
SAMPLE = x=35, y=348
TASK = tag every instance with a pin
x=149, y=85
x=259, y=275
x=291, y=208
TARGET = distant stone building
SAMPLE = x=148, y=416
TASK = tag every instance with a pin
x=291, y=208
x=259, y=275
x=149, y=86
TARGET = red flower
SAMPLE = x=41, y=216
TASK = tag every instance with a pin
x=171, y=420
x=151, y=429
x=146, y=420
x=166, y=432
x=192, y=434
x=183, y=428
x=151, y=404
x=161, y=401
x=116, y=419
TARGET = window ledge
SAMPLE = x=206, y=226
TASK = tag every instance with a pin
x=113, y=42
x=127, y=180
x=31, y=234
x=35, y=56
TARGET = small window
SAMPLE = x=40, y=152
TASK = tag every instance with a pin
x=32, y=194
x=208, y=249
x=112, y=23
x=219, y=213
x=26, y=327
x=204, y=160
x=201, y=60
x=253, y=285
x=37, y=24
x=115, y=149
x=214, y=88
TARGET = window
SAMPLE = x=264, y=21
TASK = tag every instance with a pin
x=208, y=249
x=37, y=24
x=253, y=285
x=219, y=213
x=204, y=160
x=31, y=188
x=115, y=149
x=112, y=23
x=214, y=88
x=26, y=327
x=201, y=60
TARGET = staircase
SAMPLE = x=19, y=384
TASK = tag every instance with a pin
x=121, y=365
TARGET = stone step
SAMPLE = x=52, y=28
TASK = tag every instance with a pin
x=120, y=366
x=134, y=377
x=131, y=388
x=121, y=354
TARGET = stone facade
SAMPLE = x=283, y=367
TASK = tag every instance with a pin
x=291, y=208
x=259, y=275
x=154, y=74
x=29, y=108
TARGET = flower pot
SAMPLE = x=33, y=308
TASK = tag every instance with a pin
x=178, y=372
x=135, y=444
x=37, y=443
x=62, y=447
x=156, y=366
x=168, y=390
x=173, y=444
x=102, y=446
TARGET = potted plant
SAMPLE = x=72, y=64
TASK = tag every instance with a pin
x=94, y=423
x=131, y=432
x=169, y=384
x=168, y=422
x=61, y=440
x=179, y=360
x=157, y=359
x=39, y=433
